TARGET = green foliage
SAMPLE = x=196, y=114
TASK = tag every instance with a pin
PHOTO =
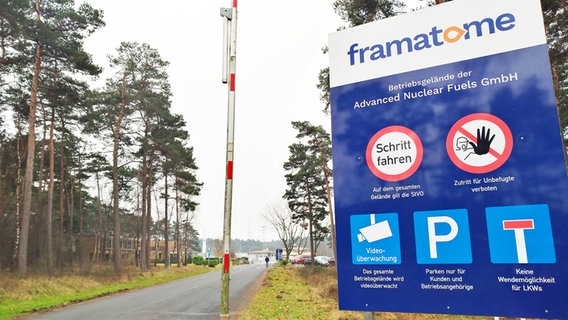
x=197, y=260
x=555, y=14
x=150, y=141
x=306, y=192
x=323, y=86
x=357, y=12
x=241, y=260
x=201, y=261
x=211, y=263
x=44, y=39
x=284, y=263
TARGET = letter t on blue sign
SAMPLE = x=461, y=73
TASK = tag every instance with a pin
x=520, y=234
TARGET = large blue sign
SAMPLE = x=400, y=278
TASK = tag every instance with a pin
x=451, y=190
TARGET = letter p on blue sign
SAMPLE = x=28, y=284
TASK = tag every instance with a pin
x=442, y=237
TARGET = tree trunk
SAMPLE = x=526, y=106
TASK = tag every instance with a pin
x=178, y=245
x=61, y=198
x=97, y=252
x=144, y=233
x=22, y=242
x=2, y=207
x=328, y=192
x=166, y=237
x=331, y=220
x=311, y=215
x=149, y=173
x=42, y=228
x=18, y=190
x=80, y=186
x=71, y=201
x=49, y=214
x=116, y=209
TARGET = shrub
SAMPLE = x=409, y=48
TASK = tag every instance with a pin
x=197, y=260
x=213, y=262
x=241, y=260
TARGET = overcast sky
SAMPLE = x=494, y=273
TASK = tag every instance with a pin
x=278, y=60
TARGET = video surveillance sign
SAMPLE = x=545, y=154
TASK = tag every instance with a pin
x=375, y=241
x=450, y=180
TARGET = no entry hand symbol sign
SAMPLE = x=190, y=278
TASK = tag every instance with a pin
x=479, y=143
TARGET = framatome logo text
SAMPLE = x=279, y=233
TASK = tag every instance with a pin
x=359, y=54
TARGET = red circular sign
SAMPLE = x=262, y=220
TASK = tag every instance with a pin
x=479, y=143
x=394, y=153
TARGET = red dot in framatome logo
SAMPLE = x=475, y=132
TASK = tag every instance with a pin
x=394, y=153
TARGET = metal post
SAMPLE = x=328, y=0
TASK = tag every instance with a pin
x=230, y=20
x=369, y=315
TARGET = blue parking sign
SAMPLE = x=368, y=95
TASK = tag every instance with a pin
x=442, y=237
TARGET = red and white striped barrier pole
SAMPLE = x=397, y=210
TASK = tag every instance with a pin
x=229, y=67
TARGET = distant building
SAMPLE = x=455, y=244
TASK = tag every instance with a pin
x=157, y=250
x=259, y=255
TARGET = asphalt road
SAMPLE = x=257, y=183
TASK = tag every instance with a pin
x=197, y=297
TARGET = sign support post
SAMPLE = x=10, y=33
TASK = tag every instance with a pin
x=229, y=67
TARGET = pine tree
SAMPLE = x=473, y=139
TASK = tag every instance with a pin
x=357, y=12
x=555, y=14
x=306, y=192
x=319, y=143
x=57, y=32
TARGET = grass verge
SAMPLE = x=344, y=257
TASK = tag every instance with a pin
x=23, y=296
x=311, y=293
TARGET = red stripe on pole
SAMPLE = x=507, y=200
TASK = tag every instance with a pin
x=232, y=82
x=234, y=3
x=230, y=170
x=518, y=224
x=226, y=261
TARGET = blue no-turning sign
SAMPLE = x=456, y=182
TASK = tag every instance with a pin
x=520, y=234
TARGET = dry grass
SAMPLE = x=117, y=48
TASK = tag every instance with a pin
x=311, y=293
x=20, y=296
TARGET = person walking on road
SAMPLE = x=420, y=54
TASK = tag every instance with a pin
x=266, y=260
